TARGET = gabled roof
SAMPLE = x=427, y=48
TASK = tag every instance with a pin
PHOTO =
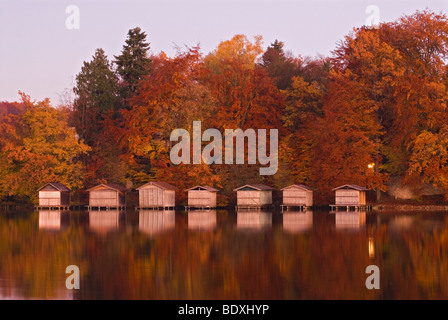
x=259, y=187
x=159, y=184
x=57, y=185
x=112, y=186
x=206, y=188
x=351, y=186
x=300, y=186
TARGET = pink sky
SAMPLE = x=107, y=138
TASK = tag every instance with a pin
x=41, y=57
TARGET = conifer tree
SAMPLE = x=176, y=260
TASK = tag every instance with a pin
x=97, y=93
x=133, y=62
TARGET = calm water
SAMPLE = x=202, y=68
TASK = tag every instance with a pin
x=223, y=255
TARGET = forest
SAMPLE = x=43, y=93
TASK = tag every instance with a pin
x=375, y=109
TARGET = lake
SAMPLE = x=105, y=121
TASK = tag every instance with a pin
x=223, y=254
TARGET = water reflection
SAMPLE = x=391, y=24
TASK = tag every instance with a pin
x=297, y=221
x=202, y=220
x=53, y=220
x=401, y=223
x=105, y=221
x=350, y=220
x=155, y=222
x=226, y=263
x=371, y=247
x=253, y=220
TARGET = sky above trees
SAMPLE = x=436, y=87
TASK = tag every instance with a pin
x=41, y=57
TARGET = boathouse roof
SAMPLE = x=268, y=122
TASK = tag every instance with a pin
x=112, y=186
x=159, y=184
x=206, y=188
x=300, y=186
x=351, y=186
x=57, y=186
x=259, y=187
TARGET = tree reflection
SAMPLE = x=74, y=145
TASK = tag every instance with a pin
x=223, y=263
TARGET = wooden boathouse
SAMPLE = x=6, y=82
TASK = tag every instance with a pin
x=297, y=196
x=54, y=196
x=201, y=197
x=107, y=196
x=156, y=196
x=253, y=196
x=350, y=197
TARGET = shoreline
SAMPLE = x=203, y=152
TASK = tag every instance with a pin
x=375, y=207
x=410, y=207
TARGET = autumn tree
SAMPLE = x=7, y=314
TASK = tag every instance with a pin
x=246, y=98
x=170, y=97
x=429, y=158
x=105, y=162
x=420, y=95
x=347, y=138
x=398, y=74
x=244, y=92
x=368, y=67
x=38, y=146
x=303, y=109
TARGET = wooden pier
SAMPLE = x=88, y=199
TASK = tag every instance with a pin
x=73, y=207
x=189, y=208
x=154, y=208
x=350, y=207
x=300, y=207
x=52, y=208
x=112, y=208
x=8, y=206
x=246, y=207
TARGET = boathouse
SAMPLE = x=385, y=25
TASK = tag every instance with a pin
x=54, y=195
x=350, y=196
x=253, y=196
x=107, y=196
x=297, y=196
x=156, y=195
x=201, y=197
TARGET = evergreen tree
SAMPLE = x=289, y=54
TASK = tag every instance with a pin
x=97, y=93
x=280, y=67
x=133, y=63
